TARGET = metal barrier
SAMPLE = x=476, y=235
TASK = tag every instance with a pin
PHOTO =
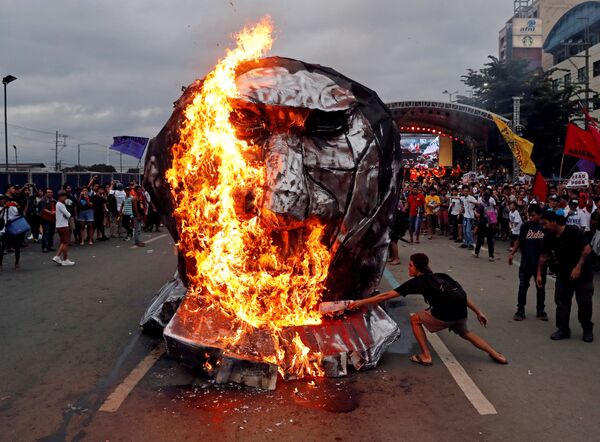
x=55, y=180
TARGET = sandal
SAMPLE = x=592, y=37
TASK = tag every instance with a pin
x=418, y=360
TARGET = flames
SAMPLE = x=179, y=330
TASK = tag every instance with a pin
x=233, y=263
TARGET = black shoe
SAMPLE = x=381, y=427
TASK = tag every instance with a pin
x=463, y=246
x=560, y=334
x=542, y=315
x=470, y=247
x=588, y=336
x=519, y=316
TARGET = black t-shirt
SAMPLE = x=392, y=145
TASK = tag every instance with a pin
x=442, y=308
x=564, y=252
x=98, y=202
x=531, y=238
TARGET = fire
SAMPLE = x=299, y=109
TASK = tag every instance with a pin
x=233, y=264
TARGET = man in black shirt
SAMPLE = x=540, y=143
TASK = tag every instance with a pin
x=448, y=308
x=567, y=252
x=529, y=241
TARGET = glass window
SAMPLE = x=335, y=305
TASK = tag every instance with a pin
x=596, y=68
x=556, y=83
x=567, y=79
x=581, y=75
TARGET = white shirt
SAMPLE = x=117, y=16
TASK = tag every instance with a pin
x=455, y=205
x=469, y=202
x=119, y=197
x=62, y=215
x=585, y=217
x=515, y=220
x=574, y=219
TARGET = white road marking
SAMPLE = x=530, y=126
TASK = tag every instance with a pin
x=463, y=380
x=150, y=240
x=116, y=398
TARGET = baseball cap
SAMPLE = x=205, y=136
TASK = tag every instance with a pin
x=575, y=202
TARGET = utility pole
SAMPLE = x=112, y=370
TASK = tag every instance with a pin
x=120, y=162
x=64, y=144
x=517, y=129
x=56, y=153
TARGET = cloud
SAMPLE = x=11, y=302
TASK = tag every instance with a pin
x=93, y=70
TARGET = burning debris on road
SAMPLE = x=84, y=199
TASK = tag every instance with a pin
x=279, y=180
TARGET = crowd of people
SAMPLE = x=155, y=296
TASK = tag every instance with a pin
x=557, y=234
x=82, y=216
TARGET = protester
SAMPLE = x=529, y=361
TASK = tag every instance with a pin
x=139, y=210
x=486, y=226
x=47, y=210
x=86, y=216
x=62, y=227
x=529, y=242
x=468, y=204
x=100, y=202
x=397, y=231
x=115, y=206
x=432, y=210
x=567, y=252
x=126, y=214
x=448, y=308
x=515, y=223
x=9, y=211
x=33, y=214
x=455, y=218
x=415, y=203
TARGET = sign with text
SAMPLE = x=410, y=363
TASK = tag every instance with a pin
x=527, y=33
x=578, y=179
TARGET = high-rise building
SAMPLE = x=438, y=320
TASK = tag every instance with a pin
x=523, y=35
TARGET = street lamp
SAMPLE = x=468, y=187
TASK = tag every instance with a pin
x=5, y=81
x=16, y=158
x=450, y=94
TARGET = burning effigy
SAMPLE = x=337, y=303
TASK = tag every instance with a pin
x=279, y=181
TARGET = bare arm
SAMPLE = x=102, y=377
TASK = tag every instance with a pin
x=515, y=249
x=541, y=265
x=373, y=299
x=480, y=316
x=584, y=254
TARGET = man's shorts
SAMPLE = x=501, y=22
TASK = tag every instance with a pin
x=64, y=234
x=435, y=325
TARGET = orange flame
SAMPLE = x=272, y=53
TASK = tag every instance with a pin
x=233, y=264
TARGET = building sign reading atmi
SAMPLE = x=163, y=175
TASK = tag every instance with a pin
x=527, y=33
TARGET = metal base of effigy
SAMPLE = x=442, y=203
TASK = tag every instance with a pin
x=358, y=339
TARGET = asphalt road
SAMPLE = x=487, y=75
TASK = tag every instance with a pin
x=69, y=338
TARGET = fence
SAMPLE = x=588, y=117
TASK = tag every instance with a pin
x=55, y=180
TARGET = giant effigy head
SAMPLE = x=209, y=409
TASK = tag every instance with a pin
x=279, y=181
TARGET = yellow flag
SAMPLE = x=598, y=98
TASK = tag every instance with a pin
x=520, y=147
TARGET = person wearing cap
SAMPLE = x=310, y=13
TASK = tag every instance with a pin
x=567, y=252
x=573, y=216
x=64, y=232
x=448, y=305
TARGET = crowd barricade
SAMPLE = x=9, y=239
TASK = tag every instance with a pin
x=55, y=180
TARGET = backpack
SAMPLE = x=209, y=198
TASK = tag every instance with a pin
x=449, y=288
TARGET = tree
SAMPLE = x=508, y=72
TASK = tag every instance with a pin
x=545, y=109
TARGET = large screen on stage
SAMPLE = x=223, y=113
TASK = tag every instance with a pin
x=420, y=150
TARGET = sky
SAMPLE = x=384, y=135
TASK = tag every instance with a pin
x=97, y=69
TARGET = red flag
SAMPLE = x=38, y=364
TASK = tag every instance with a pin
x=540, y=187
x=583, y=144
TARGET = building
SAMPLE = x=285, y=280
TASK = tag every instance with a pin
x=523, y=35
x=571, y=51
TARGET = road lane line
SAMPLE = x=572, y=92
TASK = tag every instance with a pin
x=116, y=398
x=458, y=373
x=150, y=240
x=464, y=381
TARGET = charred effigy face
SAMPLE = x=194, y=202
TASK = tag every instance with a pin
x=331, y=152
